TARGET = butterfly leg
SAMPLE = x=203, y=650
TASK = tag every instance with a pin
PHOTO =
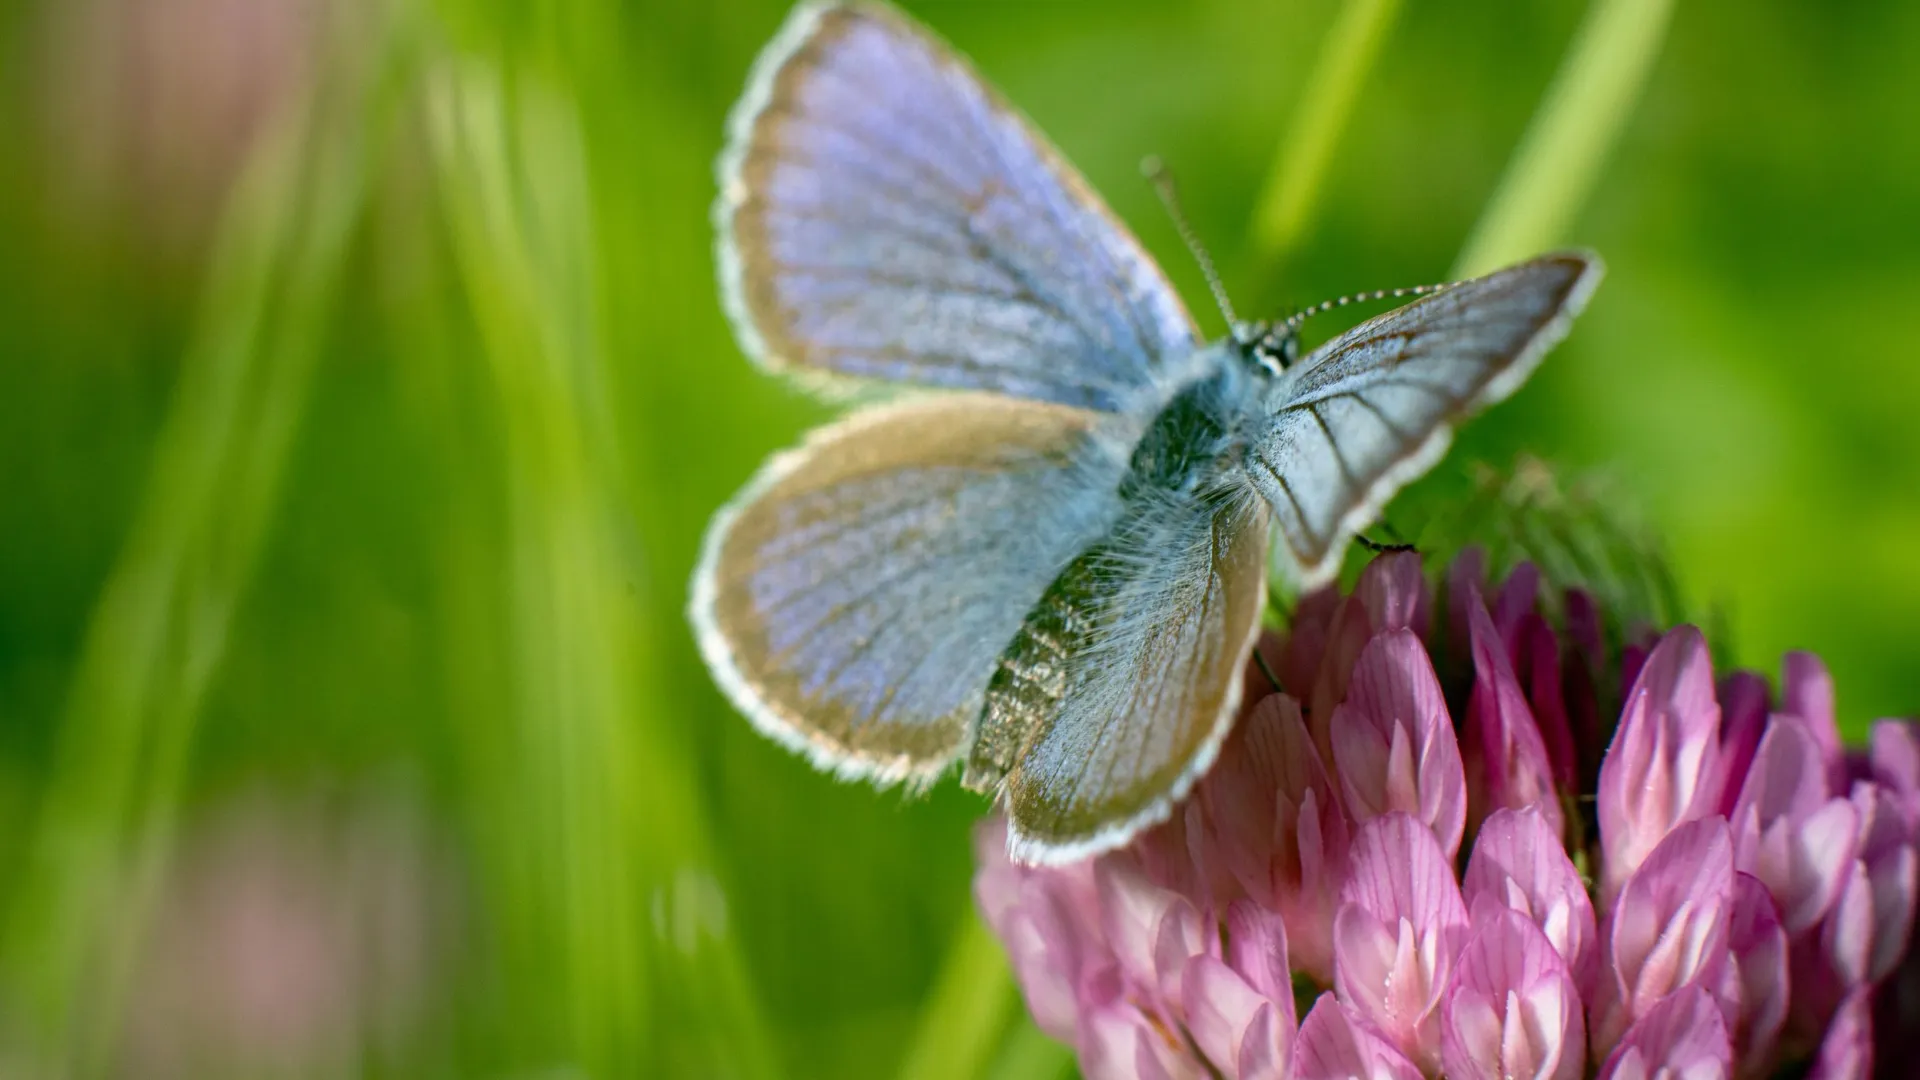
x=1395, y=542
x=1260, y=662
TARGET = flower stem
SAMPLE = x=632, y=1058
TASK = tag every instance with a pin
x=1566, y=144
x=1300, y=163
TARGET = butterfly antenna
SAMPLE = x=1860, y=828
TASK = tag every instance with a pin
x=1161, y=178
x=1294, y=320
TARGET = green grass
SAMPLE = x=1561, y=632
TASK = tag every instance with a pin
x=157, y=635
x=395, y=478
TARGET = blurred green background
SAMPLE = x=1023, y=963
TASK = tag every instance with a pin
x=364, y=393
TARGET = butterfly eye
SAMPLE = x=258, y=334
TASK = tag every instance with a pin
x=1276, y=349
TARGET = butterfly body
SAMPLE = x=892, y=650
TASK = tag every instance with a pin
x=1183, y=467
x=1049, y=566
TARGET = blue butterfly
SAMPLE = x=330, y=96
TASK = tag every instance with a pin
x=1051, y=566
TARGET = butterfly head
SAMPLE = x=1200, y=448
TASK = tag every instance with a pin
x=1271, y=347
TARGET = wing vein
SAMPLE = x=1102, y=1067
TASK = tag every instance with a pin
x=1333, y=447
x=1299, y=511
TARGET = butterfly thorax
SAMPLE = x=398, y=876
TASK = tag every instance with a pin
x=1184, y=457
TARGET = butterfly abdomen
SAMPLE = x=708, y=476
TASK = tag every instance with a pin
x=1035, y=671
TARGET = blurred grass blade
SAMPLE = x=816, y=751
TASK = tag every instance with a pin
x=1031, y=1054
x=1567, y=142
x=1300, y=164
x=159, y=631
x=963, y=1019
x=601, y=846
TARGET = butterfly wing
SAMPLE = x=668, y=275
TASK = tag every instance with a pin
x=1373, y=409
x=1152, y=695
x=884, y=215
x=853, y=599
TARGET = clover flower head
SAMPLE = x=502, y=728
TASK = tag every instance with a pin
x=1418, y=860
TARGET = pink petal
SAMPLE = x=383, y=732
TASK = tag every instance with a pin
x=1516, y=599
x=1867, y=930
x=1385, y=598
x=1392, y=588
x=1280, y=827
x=1180, y=936
x=1299, y=658
x=1240, y=1011
x=1846, y=937
x=1786, y=778
x=1232, y=1022
x=1806, y=691
x=1584, y=627
x=1393, y=743
x=1758, y=946
x=1896, y=764
x=1660, y=770
x=1120, y=1043
x=1847, y=1051
x=1539, y=664
x=1583, y=661
x=1240, y=791
x=1048, y=920
x=1513, y=1010
x=1152, y=931
x=1400, y=924
x=1887, y=848
x=1743, y=712
x=1268, y=1045
x=1633, y=656
x=1050, y=960
x=997, y=880
x=1669, y=928
x=1257, y=950
x=1153, y=1060
x=1789, y=833
x=1682, y=1038
x=1508, y=758
x=1178, y=854
x=1336, y=1044
x=1466, y=584
x=1518, y=862
x=1348, y=635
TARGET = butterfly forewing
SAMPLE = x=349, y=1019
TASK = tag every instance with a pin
x=884, y=215
x=852, y=601
x=1374, y=408
x=1153, y=692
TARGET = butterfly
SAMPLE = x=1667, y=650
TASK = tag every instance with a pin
x=1049, y=563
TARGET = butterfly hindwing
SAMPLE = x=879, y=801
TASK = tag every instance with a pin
x=1153, y=691
x=1373, y=409
x=884, y=215
x=853, y=599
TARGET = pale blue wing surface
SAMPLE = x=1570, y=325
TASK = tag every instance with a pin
x=884, y=215
x=1155, y=690
x=853, y=599
x=1374, y=408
